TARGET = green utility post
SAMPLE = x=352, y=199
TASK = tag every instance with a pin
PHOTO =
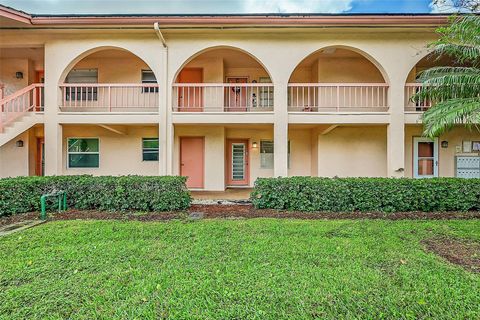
x=61, y=200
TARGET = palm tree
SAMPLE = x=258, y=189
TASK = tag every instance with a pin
x=454, y=90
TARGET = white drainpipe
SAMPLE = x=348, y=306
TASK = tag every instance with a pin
x=164, y=134
x=159, y=34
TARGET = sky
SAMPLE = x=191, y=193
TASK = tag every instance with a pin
x=222, y=6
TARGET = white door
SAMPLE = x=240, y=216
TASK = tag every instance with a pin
x=425, y=158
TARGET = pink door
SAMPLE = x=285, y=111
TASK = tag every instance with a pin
x=190, y=98
x=192, y=160
x=236, y=98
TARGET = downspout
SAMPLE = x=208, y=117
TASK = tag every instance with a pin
x=156, y=27
x=165, y=115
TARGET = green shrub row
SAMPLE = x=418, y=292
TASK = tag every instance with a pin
x=106, y=193
x=367, y=194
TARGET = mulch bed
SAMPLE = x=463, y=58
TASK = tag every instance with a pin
x=18, y=218
x=241, y=211
x=465, y=253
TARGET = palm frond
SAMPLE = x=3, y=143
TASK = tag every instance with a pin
x=444, y=83
x=460, y=40
x=446, y=114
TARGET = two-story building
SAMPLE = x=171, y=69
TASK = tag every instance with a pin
x=222, y=99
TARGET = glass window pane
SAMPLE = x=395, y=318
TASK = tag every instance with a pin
x=83, y=145
x=83, y=160
x=266, y=146
x=82, y=76
x=150, y=156
x=148, y=76
x=150, y=143
x=425, y=149
x=425, y=167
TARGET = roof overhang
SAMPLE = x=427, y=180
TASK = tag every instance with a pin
x=319, y=20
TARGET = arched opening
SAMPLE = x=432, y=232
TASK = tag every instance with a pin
x=222, y=79
x=337, y=79
x=109, y=79
x=413, y=84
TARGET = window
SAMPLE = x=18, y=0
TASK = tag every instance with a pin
x=149, y=77
x=150, y=149
x=83, y=153
x=266, y=93
x=83, y=93
x=266, y=154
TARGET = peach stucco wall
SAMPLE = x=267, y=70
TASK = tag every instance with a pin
x=446, y=156
x=353, y=152
x=115, y=70
x=120, y=154
x=361, y=149
x=8, y=69
x=14, y=161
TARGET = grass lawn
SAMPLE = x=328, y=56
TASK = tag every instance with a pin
x=235, y=269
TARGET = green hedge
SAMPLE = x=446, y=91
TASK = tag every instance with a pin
x=367, y=194
x=106, y=193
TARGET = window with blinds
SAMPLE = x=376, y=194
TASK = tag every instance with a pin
x=82, y=93
x=149, y=77
x=266, y=154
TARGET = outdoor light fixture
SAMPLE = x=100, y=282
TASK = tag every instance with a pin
x=19, y=75
x=19, y=143
x=254, y=145
x=444, y=144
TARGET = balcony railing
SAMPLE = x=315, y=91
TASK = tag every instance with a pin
x=16, y=105
x=222, y=97
x=337, y=97
x=410, y=90
x=109, y=97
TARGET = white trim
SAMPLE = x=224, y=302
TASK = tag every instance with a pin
x=416, y=140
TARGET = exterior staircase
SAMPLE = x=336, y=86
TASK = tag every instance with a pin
x=19, y=111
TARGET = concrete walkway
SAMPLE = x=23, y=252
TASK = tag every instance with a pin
x=19, y=226
x=229, y=194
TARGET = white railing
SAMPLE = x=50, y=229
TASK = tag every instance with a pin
x=337, y=97
x=17, y=104
x=109, y=97
x=222, y=97
x=410, y=90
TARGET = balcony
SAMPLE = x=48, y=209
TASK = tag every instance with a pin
x=109, y=97
x=338, y=97
x=222, y=97
x=415, y=106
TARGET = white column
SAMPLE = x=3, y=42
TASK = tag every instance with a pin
x=163, y=112
x=52, y=129
x=396, y=130
x=280, y=130
x=169, y=128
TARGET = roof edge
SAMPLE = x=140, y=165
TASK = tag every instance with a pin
x=320, y=20
x=15, y=14
x=273, y=19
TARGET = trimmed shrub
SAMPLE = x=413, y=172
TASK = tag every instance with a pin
x=366, y=194
x=106, y=193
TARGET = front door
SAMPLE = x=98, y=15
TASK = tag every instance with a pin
x=192, y=161
x=236, y=98
x=425, y=158
x=190, y=98
x=237, y=165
